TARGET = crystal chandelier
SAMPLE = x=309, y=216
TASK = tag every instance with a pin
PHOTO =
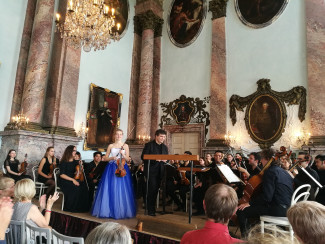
x=19, y=121
x=88, y=24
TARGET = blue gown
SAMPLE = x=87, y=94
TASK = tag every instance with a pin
x=115, y=197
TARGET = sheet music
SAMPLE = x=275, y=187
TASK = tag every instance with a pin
x=228, y=174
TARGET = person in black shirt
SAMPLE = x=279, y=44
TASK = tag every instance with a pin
x=252, y=168
x=156, y=170
x=172, y=182
x=320, y=164
x=12, y=166
x=275, y=198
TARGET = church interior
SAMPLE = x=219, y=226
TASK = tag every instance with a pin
x=229, y=76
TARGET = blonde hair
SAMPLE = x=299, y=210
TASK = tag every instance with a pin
x=256, y=237
x=308, y=221
x=25, y=190
x=109, y=232
x=5, y=182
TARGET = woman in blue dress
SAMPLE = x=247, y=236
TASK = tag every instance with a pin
x=115, y=197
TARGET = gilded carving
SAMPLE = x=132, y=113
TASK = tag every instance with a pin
x=148, y=20
x=218, y=8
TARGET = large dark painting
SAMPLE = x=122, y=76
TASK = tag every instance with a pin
x=185, y=21
x=265, y=117
x=103, y=117
x=122, y=15
x=259, y=13
x=183, y=112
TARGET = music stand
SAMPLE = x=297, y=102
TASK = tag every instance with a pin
x=160, y=157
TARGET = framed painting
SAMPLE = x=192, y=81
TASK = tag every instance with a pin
x=185, y=21
x=259, y=13
x=122, y=16
x=182, y=112
x=103, y=117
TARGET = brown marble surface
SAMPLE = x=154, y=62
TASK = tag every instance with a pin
x=145, y=84
x=37, y=65
x=149, y=5
x=218, y=83
x=134, y=86
x=23, y=56
x=315, y=12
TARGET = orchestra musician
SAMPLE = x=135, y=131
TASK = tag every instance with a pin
x=45, y=170
x=200, y=187
x=156, y=170
x=208, y=159
x=320, y=164
x=185, y=180
x=275, y=197
x=253, y=168
x=173, y=179
x=13, y=166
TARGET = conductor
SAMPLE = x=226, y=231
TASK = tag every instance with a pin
x=156, y=170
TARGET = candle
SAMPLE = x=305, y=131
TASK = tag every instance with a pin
x=58, y=17
x=149, y=138
x=113, y=10
x=143, y=138
x=139, y=137
x=70, y=5
x=118, y=26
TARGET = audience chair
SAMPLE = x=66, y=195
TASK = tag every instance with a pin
x=58, y=238
x=16, y=233
x=37, y=235
x=4, y=171
x=38, y=185
x=56, y=172
x=283, y=221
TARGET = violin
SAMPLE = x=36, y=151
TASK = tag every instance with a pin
x=120, y=171
x=23, y=166
x=79, y=174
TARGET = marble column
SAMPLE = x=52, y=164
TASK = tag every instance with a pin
x=315, y=12
x=61, y=94
x=38, y=60
x=218, y=82
x=23, y=56
x=145, y=84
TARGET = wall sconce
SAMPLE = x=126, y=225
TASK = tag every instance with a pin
x=19, y=121
x=229, y=139
x=143, y=139
x=82, y=132
x=303, y=137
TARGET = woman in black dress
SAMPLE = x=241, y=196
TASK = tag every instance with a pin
x=75, y=191
x=45, y=170
x=13, y=166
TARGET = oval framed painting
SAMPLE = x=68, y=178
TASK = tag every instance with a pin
x=265, y=119
x=122, y=16
x=259, y=13
x=185, y=21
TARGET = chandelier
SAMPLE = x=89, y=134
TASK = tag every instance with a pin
x=19, y=121
x=88, y=24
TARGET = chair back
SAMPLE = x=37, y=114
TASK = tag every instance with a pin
x=58, y=238
x=303, y=195
x=37, y=235
x=16, y=233
x=4, y=171
x=34, y=170
x=56, y=172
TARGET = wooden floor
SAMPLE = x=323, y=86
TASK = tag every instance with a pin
x=171, y=226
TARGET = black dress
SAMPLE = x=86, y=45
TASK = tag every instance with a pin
x=46, y=170
x=14, y=165
x=76, y=197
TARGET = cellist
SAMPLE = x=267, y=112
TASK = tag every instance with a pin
x=275, y=197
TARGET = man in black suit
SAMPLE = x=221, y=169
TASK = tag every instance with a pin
x=156, y=170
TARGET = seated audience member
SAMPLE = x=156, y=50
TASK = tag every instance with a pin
x=7, y=187
x=45, y=170
x=13, y=166
x=320, y=164
x=25, y=210
x=307, y=219
x=109, y=232
x=220, y=204
x=256, y=237
x=6, y=211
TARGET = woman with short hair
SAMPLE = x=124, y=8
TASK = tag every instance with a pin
x=7, y=187
x=25, y=210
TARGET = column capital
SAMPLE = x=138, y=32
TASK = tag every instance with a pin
x=218, y=8
x=148, y=20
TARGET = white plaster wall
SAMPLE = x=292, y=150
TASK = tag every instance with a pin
x=185, y=70
x=276, y=52
x=109, y=68
x=12, y=17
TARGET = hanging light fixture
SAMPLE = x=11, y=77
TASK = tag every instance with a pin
x=89, y=24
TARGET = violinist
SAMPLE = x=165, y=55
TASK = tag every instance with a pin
x=286, y=165
x=275, y=197
x=320, y=164
x=301, y=178
x=200, y=187
x=75, y=190
x=115, y=195
x=45, y=170
x=185, y=180
x=213, y=174
x=208, y=159
x=252, y=167
x=94, y=171
x=13, y=166
x=173, y=179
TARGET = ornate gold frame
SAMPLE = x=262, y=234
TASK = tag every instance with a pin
x=295, y=96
